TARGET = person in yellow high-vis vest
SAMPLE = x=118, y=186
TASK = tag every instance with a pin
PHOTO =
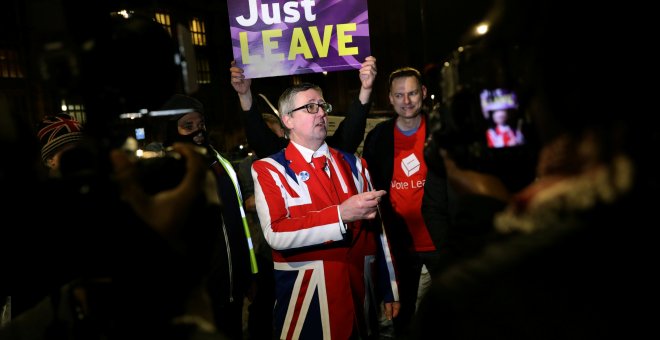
x=234, y=265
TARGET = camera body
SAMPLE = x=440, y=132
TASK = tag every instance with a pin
x=160, y=173
x=158, y=167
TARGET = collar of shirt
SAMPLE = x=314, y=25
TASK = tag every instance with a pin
x=308, y=154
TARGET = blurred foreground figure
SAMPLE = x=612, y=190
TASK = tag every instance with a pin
x=118, y=249
x=573, y=263
x=57, y=134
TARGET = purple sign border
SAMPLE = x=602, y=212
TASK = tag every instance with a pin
x=313, y=15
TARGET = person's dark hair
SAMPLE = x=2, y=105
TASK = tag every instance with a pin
x=405, y=72
x=182, y=101
x=131, y=66
x=459, y=129
x=528, y=44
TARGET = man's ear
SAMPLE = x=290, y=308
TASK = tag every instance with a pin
x=286, y=121
x=423, y=92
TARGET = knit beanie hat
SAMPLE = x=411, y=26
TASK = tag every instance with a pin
x=56, y=132
x=181, y=101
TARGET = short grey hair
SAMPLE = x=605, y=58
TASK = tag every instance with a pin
x=286, y=102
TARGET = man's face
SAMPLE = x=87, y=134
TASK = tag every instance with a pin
x=192, y=124
x=53, y=162
x=307, y=129
x=406, y=96
x=499, y=117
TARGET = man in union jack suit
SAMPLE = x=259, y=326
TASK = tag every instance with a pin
x=317, y=209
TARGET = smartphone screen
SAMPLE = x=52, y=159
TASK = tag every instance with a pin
x=139, y=133
x=503, y=120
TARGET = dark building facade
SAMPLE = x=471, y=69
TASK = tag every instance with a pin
x=40, y=40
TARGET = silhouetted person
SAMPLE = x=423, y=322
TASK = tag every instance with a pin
x=556, y=275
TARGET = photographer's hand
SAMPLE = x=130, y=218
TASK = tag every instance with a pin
x=470, y=182
x=167, y=210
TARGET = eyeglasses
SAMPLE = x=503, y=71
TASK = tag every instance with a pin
x=314, y=107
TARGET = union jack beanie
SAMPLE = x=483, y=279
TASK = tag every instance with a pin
x=56, y=132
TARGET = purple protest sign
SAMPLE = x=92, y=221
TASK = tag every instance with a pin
x=274, y=37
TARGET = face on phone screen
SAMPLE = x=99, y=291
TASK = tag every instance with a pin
x=500, y=110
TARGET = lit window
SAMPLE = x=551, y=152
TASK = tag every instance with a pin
x=9, y=64
x=203, y=70
x=74, y=109
x=198, y=31
x=164, y=20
